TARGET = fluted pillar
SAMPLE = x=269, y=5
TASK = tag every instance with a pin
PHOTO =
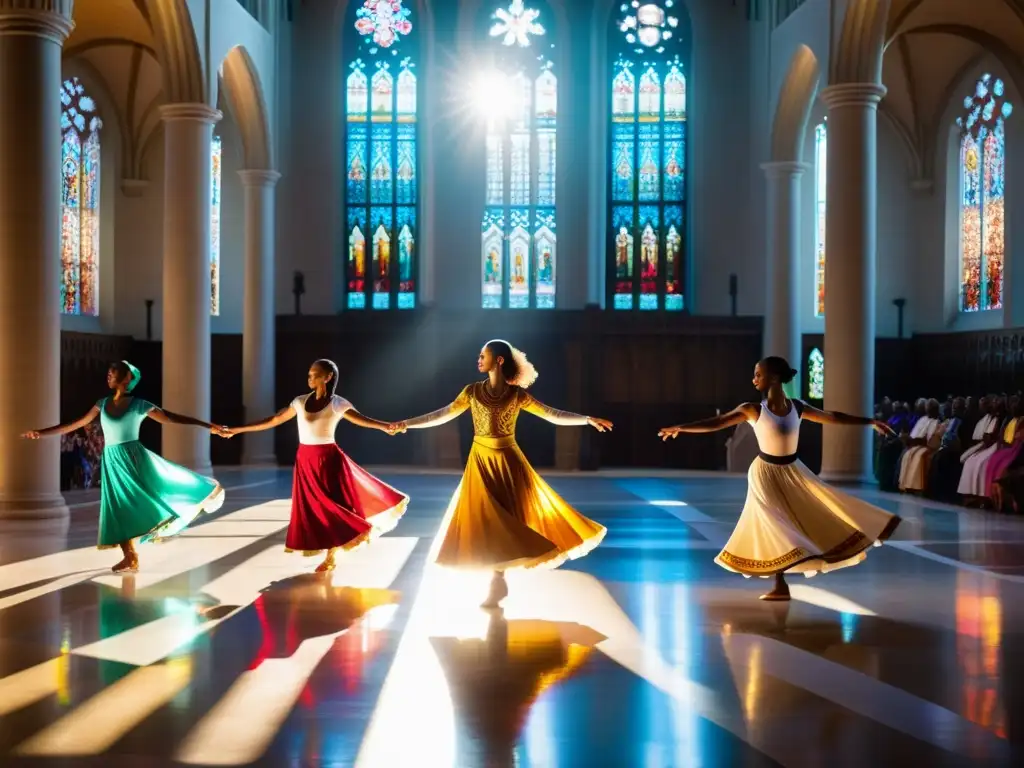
x=850, y=247
x=782, y=318
x=31, y=37
x=188, y=133
x=258, y=320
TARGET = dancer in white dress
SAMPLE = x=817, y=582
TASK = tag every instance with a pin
x=792, y=522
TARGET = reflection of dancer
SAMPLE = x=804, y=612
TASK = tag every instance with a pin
x=336, y=504
x=503, y=515
x=141, y=494
x=494, y=681
x=791, y=520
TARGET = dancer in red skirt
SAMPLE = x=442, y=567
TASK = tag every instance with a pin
x=336, y=504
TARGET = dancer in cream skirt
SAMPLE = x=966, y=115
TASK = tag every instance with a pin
x=792, y=522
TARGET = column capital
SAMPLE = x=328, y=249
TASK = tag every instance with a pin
x=197, y=112
x=259, y=178
x=48, y=19
x=853, y=95
x=778, y=169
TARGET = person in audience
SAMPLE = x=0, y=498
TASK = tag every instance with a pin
x=791, y=522
x=142, y=495
x=336, y=504
x=975, y=459
x=919, y=412
x=1006, y=455
x=921, y=443
x=900, y=419
x=944, y=470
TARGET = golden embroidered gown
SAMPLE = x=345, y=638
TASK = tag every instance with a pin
x=503, y=515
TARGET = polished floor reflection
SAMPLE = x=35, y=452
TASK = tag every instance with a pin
x=224, y=650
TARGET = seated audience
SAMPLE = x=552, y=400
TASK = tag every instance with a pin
x=975, y=459
x=921, y=443
x=1006, y=455
x=944, y=471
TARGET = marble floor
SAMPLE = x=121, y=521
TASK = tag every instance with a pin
x=224, y=650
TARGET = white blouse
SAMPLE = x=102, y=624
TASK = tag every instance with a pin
x=318, y=428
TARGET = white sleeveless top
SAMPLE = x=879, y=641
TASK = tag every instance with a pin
x=777, y=435
x=318, y=428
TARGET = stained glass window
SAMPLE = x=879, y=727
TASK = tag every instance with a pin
x=816, y=375
x=80, y=200
x=519, y=96
x=982, y=195
x=647, y=174
x=820, y=152
x=215, y=156
x=381, y=157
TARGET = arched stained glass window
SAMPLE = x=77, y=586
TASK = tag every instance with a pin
x=519, y=96
x=647, y=173
x=816, y=375
x=215, y=157
x=381, y=159
x=982, y=195
x=80, y=200
x=820, y=198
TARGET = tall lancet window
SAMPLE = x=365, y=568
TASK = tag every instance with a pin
x=80, y=200
x=820, y=198
x=381, y=159
x=647, y=174
x=215, y=156
x=519, y=97
x=982, y=195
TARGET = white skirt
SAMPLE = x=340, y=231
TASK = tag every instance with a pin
x=972, y=479
x=792, y=522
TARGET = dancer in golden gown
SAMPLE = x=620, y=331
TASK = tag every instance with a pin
x=792, y=522
x=503, y=515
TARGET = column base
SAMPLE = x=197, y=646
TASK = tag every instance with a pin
x=46, y=508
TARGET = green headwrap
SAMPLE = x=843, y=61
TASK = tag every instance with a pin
x=136, y=376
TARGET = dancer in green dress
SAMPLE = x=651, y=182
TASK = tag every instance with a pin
x=142, y=495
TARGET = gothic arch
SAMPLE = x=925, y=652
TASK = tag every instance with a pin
x=244, y=93
x=178, y=51
x=857, y=57
x=793, y=109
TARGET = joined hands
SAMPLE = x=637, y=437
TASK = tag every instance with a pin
x=396, y=428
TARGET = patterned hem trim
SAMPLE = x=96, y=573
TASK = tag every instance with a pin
x=153, y=533
x=388, y=520
x=547, y=561
x=213, y=502
x=854, y=545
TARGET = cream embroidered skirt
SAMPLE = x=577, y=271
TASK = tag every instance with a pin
x=793, y=522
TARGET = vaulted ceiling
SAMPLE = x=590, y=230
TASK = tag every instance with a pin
x=932, y=46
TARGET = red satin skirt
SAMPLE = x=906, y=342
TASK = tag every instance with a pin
x=337, y=503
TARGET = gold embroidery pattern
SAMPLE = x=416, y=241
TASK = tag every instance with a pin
x=852, y=545
x=493, y=417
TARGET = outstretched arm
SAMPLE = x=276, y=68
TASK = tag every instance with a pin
x=63, y=429
x=438, y=417
x=169, y=417
x=270, y=422
x=844, y=419
x=562, y=418
x=745, y=412
x=359, y=420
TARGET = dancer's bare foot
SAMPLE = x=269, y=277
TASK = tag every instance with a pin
x=779, y=592
x=129, y=564
x=499, y=591
x=328, y=564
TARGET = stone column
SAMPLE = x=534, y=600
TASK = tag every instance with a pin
x=31, y=37
x=188, y=133
x=850, y=244
x=782, y=318
x=258, y=330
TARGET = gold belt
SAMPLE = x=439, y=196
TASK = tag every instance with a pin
x=495, y=442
